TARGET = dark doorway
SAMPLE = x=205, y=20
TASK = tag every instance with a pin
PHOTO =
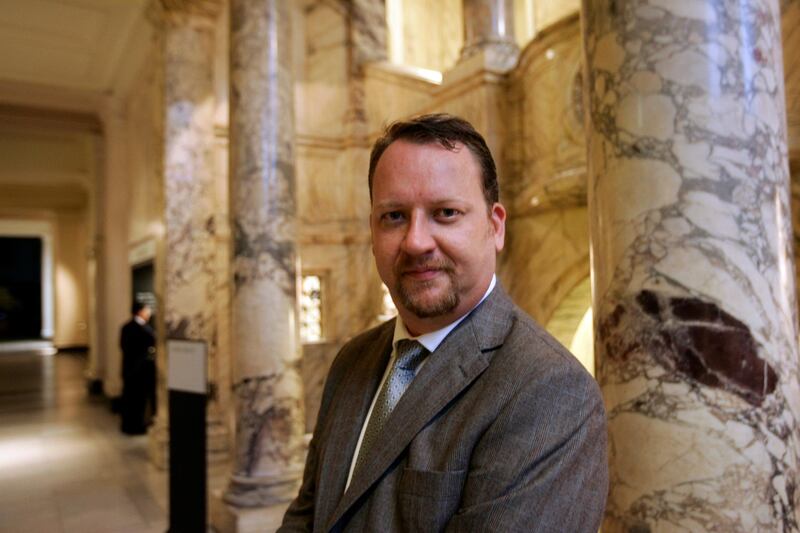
x=143, y=286
x=20, y=288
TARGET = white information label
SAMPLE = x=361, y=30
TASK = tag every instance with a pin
x=186, y=366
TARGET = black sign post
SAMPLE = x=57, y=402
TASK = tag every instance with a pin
x=187, y=384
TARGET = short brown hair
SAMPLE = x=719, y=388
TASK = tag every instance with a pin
x=446, y=130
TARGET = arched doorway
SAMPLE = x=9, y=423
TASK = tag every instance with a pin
x=571, y=323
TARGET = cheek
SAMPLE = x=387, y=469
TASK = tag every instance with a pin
x=384, y=252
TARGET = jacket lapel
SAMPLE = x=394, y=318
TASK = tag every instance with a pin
x=347, y=413
x=462, y=357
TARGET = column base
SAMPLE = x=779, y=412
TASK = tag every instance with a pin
x=158, y=444
x=248, y=492
x=227, y=518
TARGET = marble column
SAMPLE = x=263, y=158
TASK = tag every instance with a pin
x=268, y=389
x=489, y=30
x=692, y=264
x=366, y=43
x=191, y=281
x=367, y=27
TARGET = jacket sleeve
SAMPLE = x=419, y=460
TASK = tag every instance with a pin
x=300, y=514
x=542, y=465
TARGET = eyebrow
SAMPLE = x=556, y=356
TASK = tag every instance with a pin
x=444, y=201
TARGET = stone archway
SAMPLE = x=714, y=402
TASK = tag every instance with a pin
x=571, y=323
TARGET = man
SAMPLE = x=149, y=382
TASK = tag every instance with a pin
x=492, y=426
x=137, y=342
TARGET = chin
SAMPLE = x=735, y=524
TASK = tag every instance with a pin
x=431, y=307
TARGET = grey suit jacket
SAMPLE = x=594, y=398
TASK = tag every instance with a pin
x=501, y=430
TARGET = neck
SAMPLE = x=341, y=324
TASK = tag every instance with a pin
x=420, y=326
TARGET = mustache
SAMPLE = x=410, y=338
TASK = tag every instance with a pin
x=406, y=263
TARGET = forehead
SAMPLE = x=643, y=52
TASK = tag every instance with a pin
x=407, y=165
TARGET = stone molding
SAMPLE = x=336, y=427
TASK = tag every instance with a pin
x=203, y=8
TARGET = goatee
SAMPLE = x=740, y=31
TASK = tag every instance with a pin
x=412, y=293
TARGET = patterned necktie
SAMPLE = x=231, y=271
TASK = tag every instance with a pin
x=409, y=355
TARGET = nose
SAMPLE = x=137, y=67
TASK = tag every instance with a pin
x=418, y=239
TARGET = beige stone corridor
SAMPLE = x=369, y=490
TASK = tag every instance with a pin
x=64, y=466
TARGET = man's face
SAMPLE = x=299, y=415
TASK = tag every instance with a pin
x=434, y=238
x=145, y=313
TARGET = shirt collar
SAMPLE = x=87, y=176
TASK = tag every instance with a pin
x=432, y=340
x=139, y=320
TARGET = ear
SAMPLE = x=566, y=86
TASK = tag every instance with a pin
x=497, y=219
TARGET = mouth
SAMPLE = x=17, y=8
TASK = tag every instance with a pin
x=422, y=273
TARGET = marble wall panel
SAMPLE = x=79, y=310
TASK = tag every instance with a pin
x=321, y=98
x=549, y=12
x=433, y=34
x=392, y=93
x=546, y=152
x=331, y=182
x=481, y=99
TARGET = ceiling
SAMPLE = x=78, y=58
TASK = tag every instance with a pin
x=69, y=44
x=59, y=60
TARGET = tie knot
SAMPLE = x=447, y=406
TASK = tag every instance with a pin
x=410, y=354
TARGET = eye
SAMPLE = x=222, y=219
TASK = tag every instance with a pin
x=447, y=213
x=392, y=217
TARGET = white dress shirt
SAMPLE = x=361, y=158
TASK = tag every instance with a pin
x=430, y=341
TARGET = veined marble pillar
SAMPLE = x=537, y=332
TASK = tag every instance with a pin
x=266, y=356
x=692, y=264
x=367, y=31
x=366, y=43
x=489, y=30
x=191, y=281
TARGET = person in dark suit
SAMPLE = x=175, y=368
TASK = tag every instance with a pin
x=462, y=414
x=137, y=341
